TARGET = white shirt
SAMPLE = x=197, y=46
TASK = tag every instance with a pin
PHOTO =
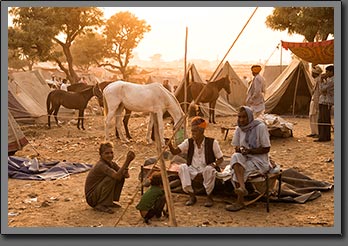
x=64, y=87
x=262, y=138
x=255, y=94
x=198, y=158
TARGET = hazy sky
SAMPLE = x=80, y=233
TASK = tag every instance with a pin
x=211, y=32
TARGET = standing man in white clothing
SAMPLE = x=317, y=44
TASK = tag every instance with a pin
x=314, y=104
x=256, y=92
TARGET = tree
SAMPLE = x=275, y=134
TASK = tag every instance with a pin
x=88, y=50
x=41, y=28
x=17, y=61
x=123, y=33
x=314, y=23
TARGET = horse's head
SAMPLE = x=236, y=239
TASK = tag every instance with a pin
x=99, y=94
x=227, y=84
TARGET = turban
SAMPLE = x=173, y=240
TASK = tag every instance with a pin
x=317, y=70
x=199, y=121
x=256, y=68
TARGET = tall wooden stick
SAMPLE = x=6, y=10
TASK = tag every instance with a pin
x=233, y=43
x=164, y=175
x=185, y=83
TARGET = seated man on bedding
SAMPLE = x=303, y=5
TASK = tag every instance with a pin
x=252, y=145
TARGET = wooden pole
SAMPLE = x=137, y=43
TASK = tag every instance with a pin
x=185, y=84
x=233, y=43
x=281, y=57
x=166, y=186
x=295, y=93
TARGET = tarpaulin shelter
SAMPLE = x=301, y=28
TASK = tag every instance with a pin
x=313, y=52
x=291, y=92
x=16, y=138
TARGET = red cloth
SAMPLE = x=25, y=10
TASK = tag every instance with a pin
x=314, y=52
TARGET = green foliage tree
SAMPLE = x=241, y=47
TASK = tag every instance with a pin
x=17, y=61
x=314, y=23
x=88, y=50
x=41, y=28
x=123, y=33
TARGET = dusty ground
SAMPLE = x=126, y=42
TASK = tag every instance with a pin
x=61, y=203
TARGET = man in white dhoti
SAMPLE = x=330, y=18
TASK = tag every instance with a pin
x=252, y=145
x=256, y=92
x=203, y=156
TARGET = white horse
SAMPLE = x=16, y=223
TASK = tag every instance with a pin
x=152, y=98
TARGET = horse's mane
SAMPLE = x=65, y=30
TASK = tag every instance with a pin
x=171, y=95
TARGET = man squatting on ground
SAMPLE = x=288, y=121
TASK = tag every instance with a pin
x=105, y=180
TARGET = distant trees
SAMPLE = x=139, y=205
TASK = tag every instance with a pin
x=37, y=31
x=70, y=36
x=17, y=61
x=88, y=50
x=314, y=23
x=123, y=33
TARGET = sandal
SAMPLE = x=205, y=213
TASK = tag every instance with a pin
x=104, y=209
x=241, y=192
x=234, y=207
x=114, y=205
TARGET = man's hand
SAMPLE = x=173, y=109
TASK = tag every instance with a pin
x=130, y=156
x=167, y=141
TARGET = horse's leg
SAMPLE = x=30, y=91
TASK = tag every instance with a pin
x=125, y=123
x=81, y=116
x=107, y=122
x=149, y=127
x=50, y=111
x=118, y=123
x=55, y=114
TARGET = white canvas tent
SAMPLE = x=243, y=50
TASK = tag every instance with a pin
x=223, y=108
x=27, y=94
x=238, y=88
x=16, y=138
x=30, y=92
x=291, y=92
x=271, y=72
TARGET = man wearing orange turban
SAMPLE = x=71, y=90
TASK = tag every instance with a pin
x=256, y=92
x=203, y=156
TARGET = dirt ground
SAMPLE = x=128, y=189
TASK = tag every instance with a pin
x=61, y=203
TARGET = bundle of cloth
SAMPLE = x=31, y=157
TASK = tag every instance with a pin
x=33, y=169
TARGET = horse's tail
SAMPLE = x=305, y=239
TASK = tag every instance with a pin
x=105, y=106
x=48, y=102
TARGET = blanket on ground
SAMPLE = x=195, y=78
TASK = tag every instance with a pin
x=295, y=186
x=32, y=169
